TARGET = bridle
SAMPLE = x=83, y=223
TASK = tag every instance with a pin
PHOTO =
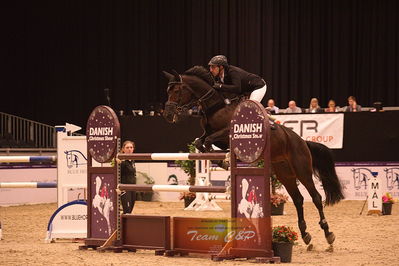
x=185, y=107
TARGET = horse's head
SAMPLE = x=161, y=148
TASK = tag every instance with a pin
x=193, y=88
x=181, y=98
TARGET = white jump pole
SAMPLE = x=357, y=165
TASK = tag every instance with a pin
x=27, y=185
x=28, y=159
x=203, y=201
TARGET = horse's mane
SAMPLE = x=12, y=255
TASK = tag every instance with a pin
x=202, y=73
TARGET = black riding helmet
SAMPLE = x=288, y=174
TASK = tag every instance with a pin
x=219, y=60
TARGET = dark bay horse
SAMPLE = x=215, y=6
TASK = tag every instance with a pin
x=292, y=158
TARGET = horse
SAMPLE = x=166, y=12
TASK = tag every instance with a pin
x=292, y=158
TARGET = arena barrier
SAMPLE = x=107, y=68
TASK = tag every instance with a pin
x=60, y=225
x=247, y=234
x=206, y=201
x=69, y=221
x=28, y=159
x=71, y=160
x=203, y=201
x=27, y=185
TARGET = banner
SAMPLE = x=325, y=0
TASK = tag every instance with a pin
x=71, y=167
x=327, y=129
x=356, y=179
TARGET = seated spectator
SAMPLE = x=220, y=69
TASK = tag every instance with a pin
x=352, y=105
x=332, y=108
x=292, y=108
x=271, y=107
x=314, y=106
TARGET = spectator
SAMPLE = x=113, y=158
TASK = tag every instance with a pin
x=271, y=107
x=352, y=105
x=128, y=176
x=332, y=108
x=314, y=106
x=292, y=108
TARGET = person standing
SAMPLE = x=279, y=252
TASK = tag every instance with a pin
x=232, y=79
x=128, y=176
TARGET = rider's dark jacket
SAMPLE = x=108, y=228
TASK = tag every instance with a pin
x=239, y=81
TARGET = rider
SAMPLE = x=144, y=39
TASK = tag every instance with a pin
x=235, y=80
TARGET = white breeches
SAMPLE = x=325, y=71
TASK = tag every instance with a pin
x=257, y=95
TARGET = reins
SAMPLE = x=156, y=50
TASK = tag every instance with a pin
x=193, y=102
x=198, y=100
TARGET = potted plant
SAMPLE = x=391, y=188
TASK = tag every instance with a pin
x=387, y=201
x=277, y=200
x=147, y=195
x=188, y=167
x=188, y=197
x=283, y=239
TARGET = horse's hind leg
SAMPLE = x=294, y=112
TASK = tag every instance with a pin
x=297, y=198
x=287, y=175
x=317, y=201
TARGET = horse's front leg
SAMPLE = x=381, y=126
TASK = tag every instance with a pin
x=215, y=137
x=199, y=143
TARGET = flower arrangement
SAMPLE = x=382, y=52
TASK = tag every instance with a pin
x=186, y=195
x=277, y=199
x=387, y=198
x=276, y=184
x=148, y=180
x=285, y=234
x=188, y=166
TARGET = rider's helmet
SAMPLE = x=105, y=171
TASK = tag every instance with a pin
x=219, y=60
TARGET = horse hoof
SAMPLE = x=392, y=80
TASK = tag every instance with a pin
x=310, y=247
x=330, y=248
x=307, y=238
x=330, y=238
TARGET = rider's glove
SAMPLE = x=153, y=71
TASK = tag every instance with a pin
x=217, y=85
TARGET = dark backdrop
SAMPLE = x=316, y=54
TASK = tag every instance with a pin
x=59, y=56
x=367, y=136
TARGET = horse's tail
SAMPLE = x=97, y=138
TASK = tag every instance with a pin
x=324, y=169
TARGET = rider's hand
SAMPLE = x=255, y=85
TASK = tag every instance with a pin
x=217, y=85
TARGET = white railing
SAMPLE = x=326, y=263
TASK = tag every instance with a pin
x=20, y=132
